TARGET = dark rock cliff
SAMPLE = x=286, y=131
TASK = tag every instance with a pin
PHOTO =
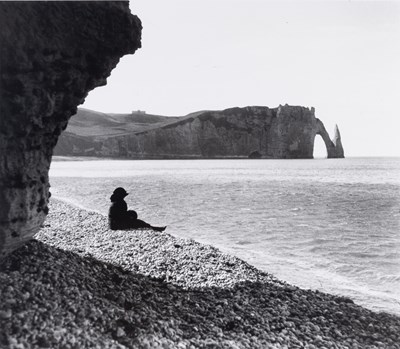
x=286, y=132
x=52, y=55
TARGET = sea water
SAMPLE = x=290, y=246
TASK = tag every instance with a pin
x=326, y=224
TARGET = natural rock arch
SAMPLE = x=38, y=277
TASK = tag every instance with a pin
x=52, y=55
x=334, y=147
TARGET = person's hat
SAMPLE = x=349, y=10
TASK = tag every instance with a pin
x=121, y=192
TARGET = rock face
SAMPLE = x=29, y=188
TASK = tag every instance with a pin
x=52, y=55
x=338, y=151
x=286, y=132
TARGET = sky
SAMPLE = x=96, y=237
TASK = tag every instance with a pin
x=341, y=57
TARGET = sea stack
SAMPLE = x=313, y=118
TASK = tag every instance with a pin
x=337, y=141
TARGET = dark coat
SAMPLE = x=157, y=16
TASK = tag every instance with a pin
x=118, y=213
x=119, y=217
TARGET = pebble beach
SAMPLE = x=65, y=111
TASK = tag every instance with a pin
x=80, y=285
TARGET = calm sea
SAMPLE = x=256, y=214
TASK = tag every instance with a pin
x=327, y=224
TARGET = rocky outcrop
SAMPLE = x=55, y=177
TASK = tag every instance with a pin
x=286, y=132
x=337, y=142
x=52, y=55
x=334, y=147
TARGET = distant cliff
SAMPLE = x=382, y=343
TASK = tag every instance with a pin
x=286, y=132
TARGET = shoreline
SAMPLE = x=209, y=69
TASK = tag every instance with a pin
x=143, y=289
x=63, y=158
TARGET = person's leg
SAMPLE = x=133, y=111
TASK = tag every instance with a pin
x=135, y=223
x=132, y=215
x=138, y=223
x=142, y=224
x=158, y=228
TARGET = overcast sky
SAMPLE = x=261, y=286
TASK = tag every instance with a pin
x=341, y=57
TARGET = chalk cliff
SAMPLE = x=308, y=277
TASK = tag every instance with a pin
x=286, y=132
x=52, y=55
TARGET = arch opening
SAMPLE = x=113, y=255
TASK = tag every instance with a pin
x=320, y=151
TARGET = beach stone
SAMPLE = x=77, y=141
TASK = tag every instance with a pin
x=5, y=314
x=52, y=55
x=76, y=311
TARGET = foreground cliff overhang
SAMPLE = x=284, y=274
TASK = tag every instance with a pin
x=52, y=55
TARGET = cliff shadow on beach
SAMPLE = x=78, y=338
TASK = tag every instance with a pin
x=60, y=299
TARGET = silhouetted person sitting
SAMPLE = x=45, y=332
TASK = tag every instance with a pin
x=120, y=218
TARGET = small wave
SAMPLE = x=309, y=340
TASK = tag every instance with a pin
x=389, y=278
x=367, y=254
x=76, y=204
x=244, y=242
